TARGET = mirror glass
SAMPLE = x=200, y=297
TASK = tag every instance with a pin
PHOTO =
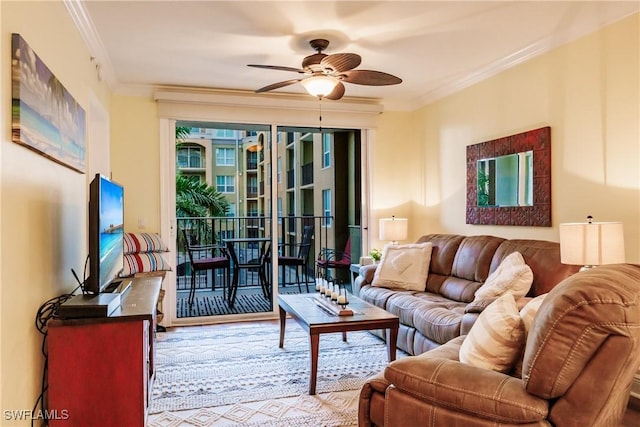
x=506, y=180
x=509, y=180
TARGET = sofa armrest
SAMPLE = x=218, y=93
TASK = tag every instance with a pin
x=367, y=272
x=445, y=382
x=371, y=402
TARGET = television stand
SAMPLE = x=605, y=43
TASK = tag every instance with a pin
x=118, y=286
x=101, y=369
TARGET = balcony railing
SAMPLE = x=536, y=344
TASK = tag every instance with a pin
x=252, y=191
x=213, y=230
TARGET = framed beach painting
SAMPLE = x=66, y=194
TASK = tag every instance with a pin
x=45, y=117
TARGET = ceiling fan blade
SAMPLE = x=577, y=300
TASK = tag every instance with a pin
x=340, y=62
x=277, y=67
x=336, y=93
x=370, y=78
x=277, y=85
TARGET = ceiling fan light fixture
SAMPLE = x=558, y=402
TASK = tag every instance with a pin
x=320, y=85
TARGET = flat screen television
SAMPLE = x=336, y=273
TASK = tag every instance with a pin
x=106, y=233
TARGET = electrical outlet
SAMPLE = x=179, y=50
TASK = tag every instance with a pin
x=141, y=223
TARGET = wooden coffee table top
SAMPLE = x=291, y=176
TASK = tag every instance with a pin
x=308, y=311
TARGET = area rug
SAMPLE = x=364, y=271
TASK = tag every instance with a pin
x=237, y=376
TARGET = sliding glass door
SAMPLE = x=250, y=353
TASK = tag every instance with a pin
x=254, y=195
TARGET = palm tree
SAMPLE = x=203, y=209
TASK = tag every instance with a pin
x=195, y=199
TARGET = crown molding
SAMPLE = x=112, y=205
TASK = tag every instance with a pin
x=87, y=30
x=240, y=98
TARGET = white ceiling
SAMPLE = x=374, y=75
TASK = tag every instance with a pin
x=436, y=47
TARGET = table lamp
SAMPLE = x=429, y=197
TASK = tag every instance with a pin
x=393, y=229
x=591, y=243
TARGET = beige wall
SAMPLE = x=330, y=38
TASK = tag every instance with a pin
x=135, y=160
x=43, y=204
x=587, y=91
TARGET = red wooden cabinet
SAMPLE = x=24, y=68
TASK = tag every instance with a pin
x=100, y=370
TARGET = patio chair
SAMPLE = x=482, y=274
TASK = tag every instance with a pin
x=204, y=257
x=300, y=260
x=334, y=259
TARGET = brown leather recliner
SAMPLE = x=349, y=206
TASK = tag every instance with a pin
x=580, y=357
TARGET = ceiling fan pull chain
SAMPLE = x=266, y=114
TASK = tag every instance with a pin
x=320, y=102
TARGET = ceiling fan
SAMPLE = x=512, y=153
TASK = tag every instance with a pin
x=324, y=74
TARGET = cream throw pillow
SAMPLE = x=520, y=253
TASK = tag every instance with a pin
x=512, y=275
x=404, y=267
x=496, y=339
x=528, y=312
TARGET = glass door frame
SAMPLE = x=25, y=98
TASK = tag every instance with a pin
x=362, y=118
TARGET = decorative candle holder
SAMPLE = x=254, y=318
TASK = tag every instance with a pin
x=343, y=299
x=329, y=288
x=335, y=291
x=323, y=285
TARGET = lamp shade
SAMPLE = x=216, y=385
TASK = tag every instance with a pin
x=319, y=85
x=591, y=243
x=393, y=229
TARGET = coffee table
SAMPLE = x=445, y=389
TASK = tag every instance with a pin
x=308, y=311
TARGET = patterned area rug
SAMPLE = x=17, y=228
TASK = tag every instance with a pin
x=237, y=376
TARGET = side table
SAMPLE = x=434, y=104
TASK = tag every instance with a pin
x=355, y=270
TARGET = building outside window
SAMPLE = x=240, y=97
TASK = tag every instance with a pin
x=225, y=133
x=279, y=170
x=279, y=210
x=225, y=157
x=225, y=184
x=326, y=207
x=190, y=157
x=326, y=150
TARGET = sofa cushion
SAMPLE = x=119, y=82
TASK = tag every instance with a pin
x=438, y=378
x=440, y=323
x=474, y=256
x=443, y=253
x=542, y=257
x=496, y=339
x=513, y=275
x=404, y=267
x=376, y=296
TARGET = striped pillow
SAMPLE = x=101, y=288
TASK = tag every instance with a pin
x=143, y=242
x=144, y=263
x=496, y=338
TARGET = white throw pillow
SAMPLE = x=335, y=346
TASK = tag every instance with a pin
x=496, y=339
x=528, y=312
x=404, y=267
x=513, y=275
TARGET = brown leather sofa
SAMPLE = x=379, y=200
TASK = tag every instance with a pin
x=581, y=354
x=458, y=267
